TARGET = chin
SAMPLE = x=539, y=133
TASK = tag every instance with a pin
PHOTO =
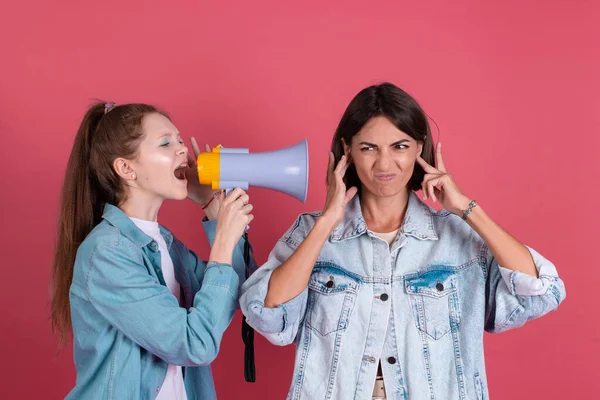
x=387, y=190
x=177, y=195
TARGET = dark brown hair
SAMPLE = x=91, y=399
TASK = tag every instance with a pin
x=400, y=109
x=90, y=183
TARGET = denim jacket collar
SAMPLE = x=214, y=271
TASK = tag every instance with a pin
x=418, y=221
x=120, y=220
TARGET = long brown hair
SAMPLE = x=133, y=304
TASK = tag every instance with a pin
x=90, y=182
x=399, y=108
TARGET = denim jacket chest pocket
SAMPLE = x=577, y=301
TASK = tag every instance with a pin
x=331, y=298
x=434, y=299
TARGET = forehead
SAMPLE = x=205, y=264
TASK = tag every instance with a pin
x=156, y=124
x=380, y=129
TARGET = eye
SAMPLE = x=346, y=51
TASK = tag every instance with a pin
x=165, y=143
x=367, y=148
x=401, y=146
x=180, y=140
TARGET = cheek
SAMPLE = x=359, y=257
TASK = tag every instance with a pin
x=362, y=164
x=156, y=163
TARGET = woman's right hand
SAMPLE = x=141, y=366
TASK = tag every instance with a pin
x=337, y=195
x=232, y=219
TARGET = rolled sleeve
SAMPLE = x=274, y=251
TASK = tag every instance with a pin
x=279, y=324
x=521, y=284
x=515, y=297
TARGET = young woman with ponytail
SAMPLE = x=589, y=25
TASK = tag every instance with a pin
x=146, y=314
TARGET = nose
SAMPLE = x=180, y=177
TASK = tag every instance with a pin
x=383, y=160
x=182, y=150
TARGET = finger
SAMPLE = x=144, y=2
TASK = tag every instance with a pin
x=244, y=198
x=247, y=208
x=350, y=193
x=431, y=186
x=426, y=167
x=346, y=166
x=439, y=160
x=234, y=195
x=249, y=217
x=207, y=148
x=191, y=161
x=330, y=168
x=340, y=166
x=426, y=179
x=195, y=147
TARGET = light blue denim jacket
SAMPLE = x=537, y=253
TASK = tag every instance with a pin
x=127, y=326
x=420, y=306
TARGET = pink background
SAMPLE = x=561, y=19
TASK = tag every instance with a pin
x=513, y=86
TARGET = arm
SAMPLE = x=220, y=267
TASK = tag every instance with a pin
x=278, y=324
x=520, y=283
x=513, y=297
x=506, y=250
x=121, y=290
x=291, y=278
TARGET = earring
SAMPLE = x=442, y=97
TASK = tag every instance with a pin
x=133, y=175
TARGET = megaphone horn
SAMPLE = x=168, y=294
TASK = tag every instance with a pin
x=284, y=170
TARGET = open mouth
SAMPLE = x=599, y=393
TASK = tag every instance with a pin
x=180, y=172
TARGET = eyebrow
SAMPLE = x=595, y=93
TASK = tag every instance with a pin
x=393, y=144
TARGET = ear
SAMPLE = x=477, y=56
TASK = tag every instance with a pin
x=419, y=148
x=124, y=169
x=347, y=150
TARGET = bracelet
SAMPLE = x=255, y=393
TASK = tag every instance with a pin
x=468, y=211
x=210, y=201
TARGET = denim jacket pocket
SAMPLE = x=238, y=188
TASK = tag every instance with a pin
x=435, y=301
x=331, y=297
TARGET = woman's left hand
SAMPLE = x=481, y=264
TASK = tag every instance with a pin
x=200, y=194
x=439, y=185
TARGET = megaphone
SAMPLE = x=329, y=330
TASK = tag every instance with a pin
x=284, y=170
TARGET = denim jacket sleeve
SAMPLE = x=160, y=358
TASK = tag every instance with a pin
x=119, y=287
x=210, y=227
x=513, y=298
x=280, y=324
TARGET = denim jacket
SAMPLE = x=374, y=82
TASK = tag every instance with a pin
x=420, y=307
x=127, y=326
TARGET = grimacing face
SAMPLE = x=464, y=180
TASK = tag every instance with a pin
x=384, y=157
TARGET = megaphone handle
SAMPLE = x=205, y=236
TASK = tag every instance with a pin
x=247, y=331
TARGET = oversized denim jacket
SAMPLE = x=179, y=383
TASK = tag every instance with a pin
x=127, y=326
x=420, y=306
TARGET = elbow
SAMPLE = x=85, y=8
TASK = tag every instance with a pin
x=263, y=319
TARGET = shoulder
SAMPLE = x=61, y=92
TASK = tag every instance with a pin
x=108, y=242
x=300, y=228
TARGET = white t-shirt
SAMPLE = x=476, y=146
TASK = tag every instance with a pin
x=173, y=387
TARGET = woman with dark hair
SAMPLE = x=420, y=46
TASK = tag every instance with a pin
x=384, y=296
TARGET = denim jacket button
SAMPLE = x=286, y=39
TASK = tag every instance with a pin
x=391, y=360
x=383, y=297
x=439, y=287
x=329, y=284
